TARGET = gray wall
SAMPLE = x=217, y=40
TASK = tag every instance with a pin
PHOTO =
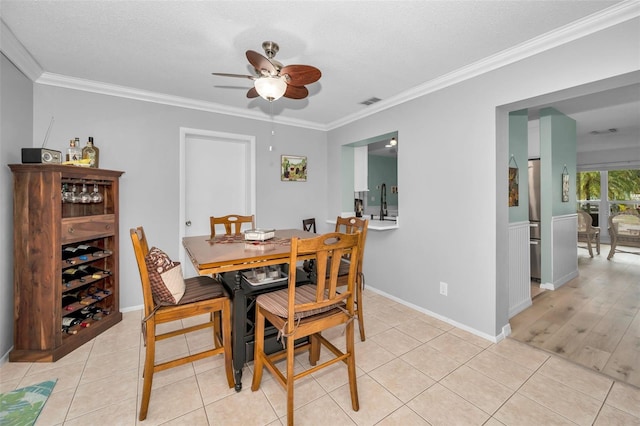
x=142, y=139
x=16, y=120
x=452, y=168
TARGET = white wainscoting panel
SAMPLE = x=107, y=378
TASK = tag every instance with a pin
x=564, y=239
x=519, y=268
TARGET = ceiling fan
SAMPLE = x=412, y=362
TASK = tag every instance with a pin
x=274, y=80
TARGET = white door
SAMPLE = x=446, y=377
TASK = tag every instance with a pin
x=218, y=178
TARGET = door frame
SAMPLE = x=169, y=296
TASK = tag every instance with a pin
x=185, y=133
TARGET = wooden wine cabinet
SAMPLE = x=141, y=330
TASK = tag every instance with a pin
x=44, y=226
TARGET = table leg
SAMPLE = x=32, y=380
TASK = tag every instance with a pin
x=238, y=329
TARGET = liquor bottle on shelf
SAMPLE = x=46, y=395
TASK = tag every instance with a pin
x=70, y=150
x=74, y=152
x=92, y=153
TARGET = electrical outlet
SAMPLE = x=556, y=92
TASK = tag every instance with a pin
x=443, y=288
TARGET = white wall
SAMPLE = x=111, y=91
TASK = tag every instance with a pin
x=452, y=168
x=16, y=117
x=142, y=139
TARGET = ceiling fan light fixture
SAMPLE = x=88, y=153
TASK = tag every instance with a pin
x=270, y=88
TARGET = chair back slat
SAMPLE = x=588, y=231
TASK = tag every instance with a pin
x=350, y=225
x=232, y=223
x=327, y=251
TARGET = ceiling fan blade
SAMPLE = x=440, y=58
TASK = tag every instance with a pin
x=296, y=92
x=252, y=93
x=223, y=74
x=301, y=75
x=261, y=63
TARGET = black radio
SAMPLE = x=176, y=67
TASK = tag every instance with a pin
x=41, y=155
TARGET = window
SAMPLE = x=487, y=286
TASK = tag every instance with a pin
x=623, y=190
x=588, y=186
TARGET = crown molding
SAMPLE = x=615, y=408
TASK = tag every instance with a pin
x=604, y=19
x=17, y=54
x=64, y=81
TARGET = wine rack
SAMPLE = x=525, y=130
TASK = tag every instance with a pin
x=65, y=259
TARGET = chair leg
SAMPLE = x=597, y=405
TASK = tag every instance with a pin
x=598, y=243
x=226, y=341
x=217, y=320
x=314, y=349
x=359, y=311
x=290, y=373
x=589, y=245
x=258, y=361
x=147, y=374
x=351, y=367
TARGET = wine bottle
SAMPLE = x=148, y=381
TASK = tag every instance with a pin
x=68, y=330
x=92, y=153
x=72, y=274
x=68, y=300
x=89, y=312
x=69, y=321
x=83, y=251
x=69, y=252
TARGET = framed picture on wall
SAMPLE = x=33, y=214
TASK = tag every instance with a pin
x=565, y=185
x=294, y=168
x=513, y=187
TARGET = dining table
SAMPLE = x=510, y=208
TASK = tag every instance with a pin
x=231, y=258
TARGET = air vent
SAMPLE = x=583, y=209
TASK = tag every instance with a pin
x=603, y=132
x=370, y=101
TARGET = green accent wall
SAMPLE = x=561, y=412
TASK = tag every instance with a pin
x=518, y=156
x=557, y=151
x=382, y=170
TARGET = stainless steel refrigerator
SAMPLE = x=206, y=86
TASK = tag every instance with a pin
x=534, y=217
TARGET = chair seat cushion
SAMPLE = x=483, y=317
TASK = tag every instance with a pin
x=276, y=302
x=202, y=288
x=165, y=276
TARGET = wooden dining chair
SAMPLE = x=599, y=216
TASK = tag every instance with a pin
x=309, y=225
x=232, y=223
x=351, y=225
x=307, y=310
x=202, y=295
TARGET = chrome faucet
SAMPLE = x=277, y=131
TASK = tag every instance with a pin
x=383, y=201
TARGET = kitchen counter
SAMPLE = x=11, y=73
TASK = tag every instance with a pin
x=377, y=225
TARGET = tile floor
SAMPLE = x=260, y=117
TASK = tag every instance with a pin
x=412, y=370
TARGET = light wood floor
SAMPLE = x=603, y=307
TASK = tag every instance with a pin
x=593, y=320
